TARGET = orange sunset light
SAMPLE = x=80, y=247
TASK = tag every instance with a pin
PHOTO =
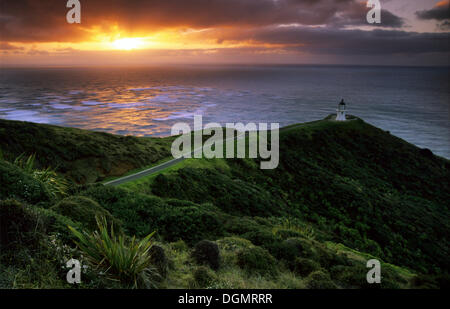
x=127, y=43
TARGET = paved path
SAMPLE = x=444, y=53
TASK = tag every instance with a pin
x=143, y=173
x=168, y=164
x=157, y=168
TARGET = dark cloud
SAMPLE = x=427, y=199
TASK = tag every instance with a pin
x=441, y=12
x=323, y=40
x=355, y=15
x=38, y=21
x=316, y=27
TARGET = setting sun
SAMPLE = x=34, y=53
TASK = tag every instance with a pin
x=127, y=44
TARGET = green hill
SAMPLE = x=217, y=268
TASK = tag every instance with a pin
x=343, y=193
x=83, y=156
x=359, y=184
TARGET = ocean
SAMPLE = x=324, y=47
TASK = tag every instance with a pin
x=412, y=103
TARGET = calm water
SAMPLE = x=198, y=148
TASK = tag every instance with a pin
x=412, y=103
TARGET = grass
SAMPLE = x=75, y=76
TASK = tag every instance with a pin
x=342, y=194
x=363, y=257
x=142, y=184
x=56, y=184
x=229, y=276
x=123, y=260
x=81, y=156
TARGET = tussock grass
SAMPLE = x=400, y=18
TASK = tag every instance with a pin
x=122, y=260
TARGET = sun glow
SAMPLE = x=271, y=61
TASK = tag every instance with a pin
x=127, y=43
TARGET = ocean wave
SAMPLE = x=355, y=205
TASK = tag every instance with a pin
x=75, y=92
x=92, y=103
x=26, y=115
x=125, y=105
x=161, y=98
x=183, y=115
x=61, y=106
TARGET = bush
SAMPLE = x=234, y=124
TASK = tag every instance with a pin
x=84, y=210
x=137, y=212
x=140, y=214
x=292, y=248
x=19, y=225
x=179, y=245
x=126, y=261
x=234, y=244
x=320, y=279
x=355, y=277
x=203, y=277
x=241, y=225
x=304, y=267
x=207, y=252
x=57, y=224
x=256, y=260
x=421, y=281
x=159, y=259
x=56, y=185
x=17, y=184
x=285, y=234
x=263, y=238
x=188, y=223
x=233, y=196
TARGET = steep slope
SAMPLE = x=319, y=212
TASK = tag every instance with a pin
x=362, y=186
x=81, y=155
x=343, y=193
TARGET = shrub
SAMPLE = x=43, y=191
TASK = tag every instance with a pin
x=188, y=223
x=256, y=260
x=233, y=196
x=285, y=234
x=292, y=248
x=159, y=259
x=56, y=185
x=263, y=238
x=127, y=261
x=424, y=282
x=293, y=227
x=421, y=281
x=57, y=224
x=241, y=225
x=137, y=212
x=15, y=183
x=84, y=210
x=179, y=245
x=207, y=252
x=320, y=279
x=19, y=225
x=304, y=267
x=233, y=244
x=203, y=277
x=355, y=277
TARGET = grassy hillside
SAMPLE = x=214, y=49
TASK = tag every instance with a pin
x=343, y=193
x=83, y=156
x=356, y=183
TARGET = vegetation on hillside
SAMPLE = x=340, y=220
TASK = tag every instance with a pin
x=82, y=156
x=343, y=193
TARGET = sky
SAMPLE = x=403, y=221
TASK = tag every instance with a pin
x=139, y=32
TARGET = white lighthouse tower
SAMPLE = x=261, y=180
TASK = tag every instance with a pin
x=341, y=111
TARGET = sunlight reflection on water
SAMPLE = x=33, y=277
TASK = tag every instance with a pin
x=411, y=103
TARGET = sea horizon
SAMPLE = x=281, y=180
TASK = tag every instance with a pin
x=410, y=102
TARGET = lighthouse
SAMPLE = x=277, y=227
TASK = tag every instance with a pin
x=341, y=111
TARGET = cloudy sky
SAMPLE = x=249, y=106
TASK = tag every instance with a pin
x=412, y=32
